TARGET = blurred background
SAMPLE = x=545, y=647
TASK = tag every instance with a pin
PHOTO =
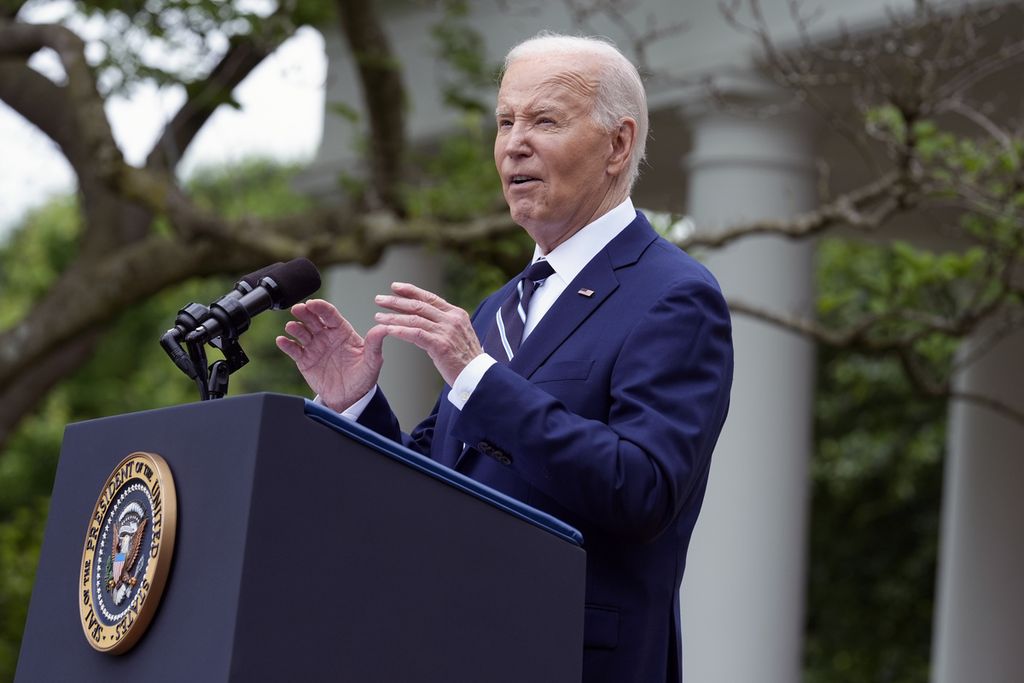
x=852, y=173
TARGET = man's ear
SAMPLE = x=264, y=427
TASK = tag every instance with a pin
x=623, y=140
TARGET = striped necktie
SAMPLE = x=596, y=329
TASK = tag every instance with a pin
x=506, y=334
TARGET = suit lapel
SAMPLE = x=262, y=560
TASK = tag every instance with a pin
x=572, y=308
x=569, y=310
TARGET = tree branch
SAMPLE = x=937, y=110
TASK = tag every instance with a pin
x=80, y=125
x=28, y=388
x=858, y=337
x=38, y=100
x=867, y=209
x=243, y=55
x=381, y=82
x=134, y=272
x=993, y=404
x=91, y=128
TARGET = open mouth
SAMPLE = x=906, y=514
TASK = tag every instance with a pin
x=521, y=179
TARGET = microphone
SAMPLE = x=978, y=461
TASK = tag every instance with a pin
x=250, y=281
x=194, y=314
x=280, y=285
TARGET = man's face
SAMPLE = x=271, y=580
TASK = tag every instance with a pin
x=558, y=167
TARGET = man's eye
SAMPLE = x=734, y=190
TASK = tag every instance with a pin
x=544, y=121
x=504, y=123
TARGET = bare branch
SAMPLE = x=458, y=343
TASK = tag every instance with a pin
x=381, y=82
x=976, y=117
x=865, y=209
x=993, y=404
x=858, y=338
x=242, y=56
x=637, y=41
x=853, y=337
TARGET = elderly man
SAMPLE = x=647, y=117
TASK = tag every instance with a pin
x=592, y=386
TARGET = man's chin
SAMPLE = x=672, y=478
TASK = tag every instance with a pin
x=520, y=214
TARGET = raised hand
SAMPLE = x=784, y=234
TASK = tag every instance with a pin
x=423, y=318
x=335, y=361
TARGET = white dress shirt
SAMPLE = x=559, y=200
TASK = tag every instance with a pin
x=567, y=260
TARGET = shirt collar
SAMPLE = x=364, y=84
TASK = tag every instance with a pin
x=572, y=255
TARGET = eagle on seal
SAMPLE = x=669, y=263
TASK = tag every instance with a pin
x=127, y=548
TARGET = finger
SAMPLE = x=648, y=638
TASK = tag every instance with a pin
x=413, y=292
x=299, y=330
x=307, y=316
x=290, y=348
x=327, y=313
x=317, y=314
x=374, y=342
x=402, y=320
x=409, y=306
x=413, y=335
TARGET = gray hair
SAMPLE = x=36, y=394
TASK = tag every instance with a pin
x=620, y=90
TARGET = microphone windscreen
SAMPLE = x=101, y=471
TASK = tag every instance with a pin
x=295, y=280
x=253, y=278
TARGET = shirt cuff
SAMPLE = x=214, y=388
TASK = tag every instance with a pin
x=356, y=409
x=465, y=384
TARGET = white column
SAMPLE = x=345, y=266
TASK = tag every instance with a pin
x=743, y=591
x=979, y=627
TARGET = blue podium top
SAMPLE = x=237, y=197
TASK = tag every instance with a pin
x=411, y=458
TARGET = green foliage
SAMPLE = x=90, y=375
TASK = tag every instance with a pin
x=129, y=372
x=876, y=477
x=459, y=181
x=456, y=180
x=908, y=299
x=479, y=269
x=35, y=254
x=470, y=77
x=887, y=122
x=344, y=111
x=167, y=41
x=256, y=187
x=20, y=537
x=876, y=472
x=179, y=41
x=879, y=442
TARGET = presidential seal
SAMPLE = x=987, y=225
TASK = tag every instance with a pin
x=127, y=555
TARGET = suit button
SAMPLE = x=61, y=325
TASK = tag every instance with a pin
x=496, y=453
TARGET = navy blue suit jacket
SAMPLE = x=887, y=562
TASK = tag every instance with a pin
x=606, y=418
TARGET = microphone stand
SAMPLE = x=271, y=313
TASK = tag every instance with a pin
x=212, y=380
x=234, y=358
x=197, y=354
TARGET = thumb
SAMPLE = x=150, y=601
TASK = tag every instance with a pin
x=373, y=345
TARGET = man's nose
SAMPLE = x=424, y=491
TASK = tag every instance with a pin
x=517, y=142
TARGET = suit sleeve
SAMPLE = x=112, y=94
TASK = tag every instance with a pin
x=632, y=471
x=379, y=417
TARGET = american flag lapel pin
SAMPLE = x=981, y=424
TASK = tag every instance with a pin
x=586, y=292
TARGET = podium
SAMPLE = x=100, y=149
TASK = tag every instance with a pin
x=309, y=548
